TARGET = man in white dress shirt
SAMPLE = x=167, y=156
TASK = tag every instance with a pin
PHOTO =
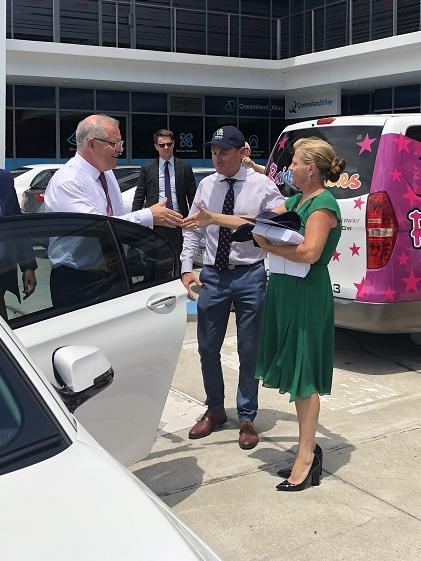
x=233, y=274
x=87, y=184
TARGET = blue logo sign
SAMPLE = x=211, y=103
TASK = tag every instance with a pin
x=186, y=140
x=254, y=141
x=230, y=106
x=72, y=139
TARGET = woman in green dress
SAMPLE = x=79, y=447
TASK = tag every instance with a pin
x=297, y=337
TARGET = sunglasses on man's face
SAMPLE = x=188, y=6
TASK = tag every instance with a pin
x=165, y=144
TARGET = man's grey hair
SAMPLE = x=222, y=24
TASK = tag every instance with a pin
x=93, y=127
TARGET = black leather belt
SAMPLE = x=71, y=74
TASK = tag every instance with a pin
x=233, y=267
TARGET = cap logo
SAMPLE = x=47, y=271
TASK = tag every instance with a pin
x=219, y=134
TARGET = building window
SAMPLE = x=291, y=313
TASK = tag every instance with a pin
x=256, y=133
x=149, y=102
x=79, y=22
x=32, y=20
x=115, y=24
x=408, y=16
x=188, y=136
x=336, y=26
x=68, y=123
x=383, y=100
x=35, y=96
x=190, y=31
x=218, y=35
x=407, y=97
x=143, y=128
x=153, y=28
x=112, y=100
x=360, y=21
x=255, y=37
x=76, y=98
x=382, y=19
x=35, y=133
x=9, y=133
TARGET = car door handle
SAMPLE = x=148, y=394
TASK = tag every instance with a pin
x=161, y=303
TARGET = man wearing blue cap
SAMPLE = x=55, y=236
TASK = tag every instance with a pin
x=233, y=274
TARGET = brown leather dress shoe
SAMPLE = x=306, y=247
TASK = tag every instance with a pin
x=208, y=423
x=248, y=438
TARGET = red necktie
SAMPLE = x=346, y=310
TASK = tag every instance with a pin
x=103, y=181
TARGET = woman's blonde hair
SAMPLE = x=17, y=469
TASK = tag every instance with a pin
x=323, y=155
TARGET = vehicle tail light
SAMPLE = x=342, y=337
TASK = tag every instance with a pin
x=325, y=120
x=39, y=197
x=381, y=228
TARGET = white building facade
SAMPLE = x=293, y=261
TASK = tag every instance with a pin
x=195, y=65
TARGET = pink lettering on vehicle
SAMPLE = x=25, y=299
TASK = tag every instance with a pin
x=415, y=233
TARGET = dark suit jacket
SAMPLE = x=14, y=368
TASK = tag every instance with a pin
x=148, y=185
x=15, y=252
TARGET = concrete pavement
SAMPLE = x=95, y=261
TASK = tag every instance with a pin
x=369, y=503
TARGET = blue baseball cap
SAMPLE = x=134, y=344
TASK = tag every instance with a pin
x=227, y=137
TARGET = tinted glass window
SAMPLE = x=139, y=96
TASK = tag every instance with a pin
x=357, y=145
x=188, y=136
x=255, y=37
x=256, y=133
x=75, y=261
x=9, y=96
x=143, y=128
x=234, y=44
x=115, y=24
x=229, y=6
x=191, y=32
x=383, y=99
x=35, y=96
x=360, y=21
x=79, y=22
x=28, y=431
x=68, y=123
x=76, y=98
x=407, y=96
x=153, y=28
x=112, y=100
x=218, y=34
x=149, y=258
x=35, y=134
x=149, y=102
x=253, y=8
x=408, y=16
x=33, y=20
x=336, y=28
x=411, y=159
x=382, y=19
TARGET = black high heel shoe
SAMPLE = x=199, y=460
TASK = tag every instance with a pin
x=312, y=478
x=286, y=472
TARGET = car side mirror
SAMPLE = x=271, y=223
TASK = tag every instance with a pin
x=81, y=373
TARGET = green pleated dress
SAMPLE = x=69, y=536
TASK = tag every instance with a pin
x=297, y=337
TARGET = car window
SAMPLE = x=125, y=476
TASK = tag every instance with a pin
x=128, y=182
x=355, y=144
x=75, y=260
x=28, y=431
x=149, y=259
x=41, y=180
x=78, y=261
x=411, y=157
x=200, y=175
x=124, y=172
x=18, y=171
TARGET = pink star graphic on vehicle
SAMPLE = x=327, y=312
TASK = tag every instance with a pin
x=361, y=287
x=336, y=255
x=402, y=143
x=282, y=142
x=389, y=294
x=403, y=259
x=365, y=144
x=410, y=195
x=358, y=203
x=355, y=249
x=395, y=174
x=411, y=282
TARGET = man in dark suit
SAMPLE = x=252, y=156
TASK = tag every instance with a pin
x=15, y=252
x=167, y=178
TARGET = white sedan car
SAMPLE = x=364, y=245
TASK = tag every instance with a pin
x=126, y=298
x=62, y=495
x=34, y=176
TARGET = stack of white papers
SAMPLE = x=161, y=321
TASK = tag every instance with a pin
x=281, y=236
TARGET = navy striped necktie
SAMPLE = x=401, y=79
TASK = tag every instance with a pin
x=224, y=240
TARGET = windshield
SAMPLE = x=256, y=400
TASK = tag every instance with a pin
x=28, y=431
x=18, y=171
x=357, y=145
